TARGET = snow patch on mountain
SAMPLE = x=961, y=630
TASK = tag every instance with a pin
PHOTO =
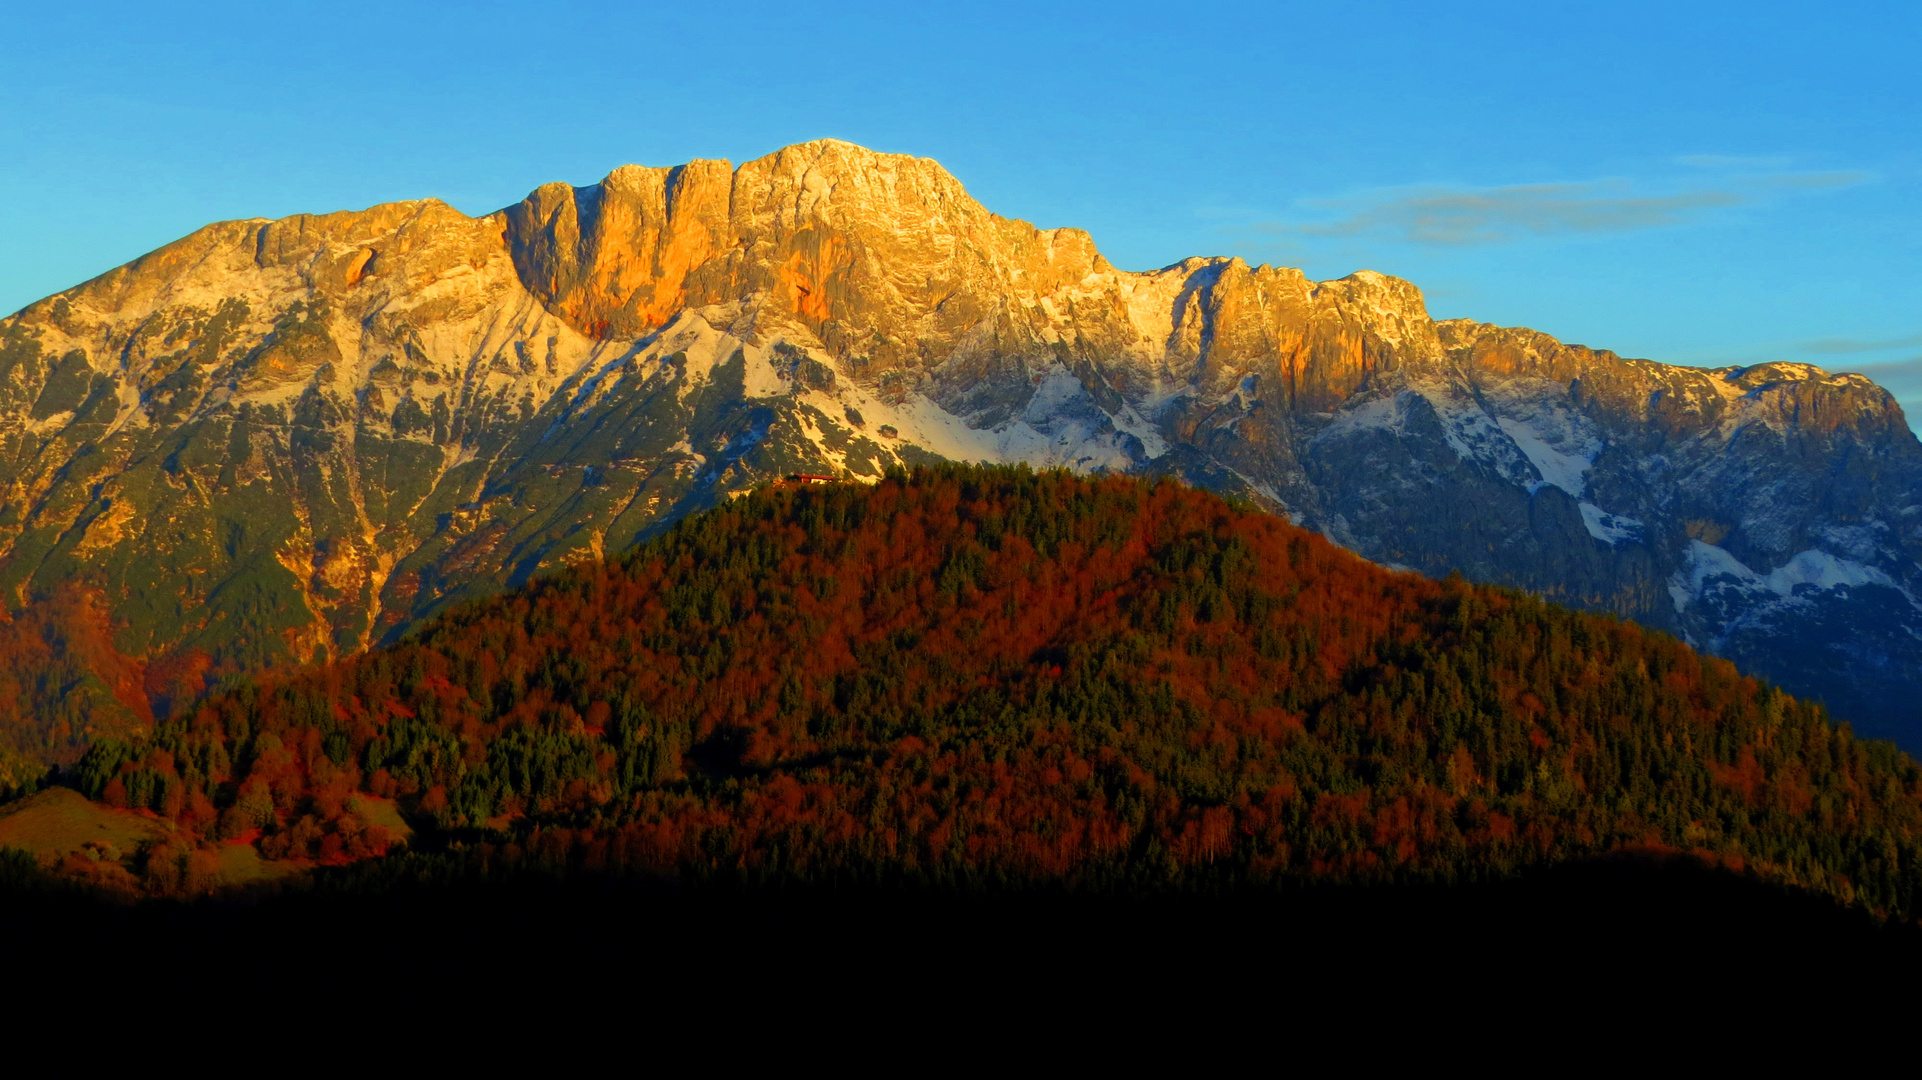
x=703, y=347
x=1131, y=422
x=1381, y=413
x=763, y=374
x=1709, y=568
x=1822, y=570
x=1474, y=435
x=1607, y=527
x=1058, y=392
x=1063, y=426
x=1567, y=471
x=923, y=422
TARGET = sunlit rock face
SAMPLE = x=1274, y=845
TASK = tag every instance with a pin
x=288, y=439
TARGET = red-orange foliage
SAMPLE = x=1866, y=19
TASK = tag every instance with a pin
x=63, y=684
x=994, y=674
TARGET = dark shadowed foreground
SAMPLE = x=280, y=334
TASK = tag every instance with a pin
x=1648, y=937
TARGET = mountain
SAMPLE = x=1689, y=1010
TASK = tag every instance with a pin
x=295, y=439
x=969, y=676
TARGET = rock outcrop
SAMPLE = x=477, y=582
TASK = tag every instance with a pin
x=285, y=439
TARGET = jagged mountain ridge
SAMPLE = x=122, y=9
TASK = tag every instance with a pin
x=278, y=439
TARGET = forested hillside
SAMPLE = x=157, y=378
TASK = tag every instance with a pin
x=272, y=443
x=971, y=675
x=63, y=684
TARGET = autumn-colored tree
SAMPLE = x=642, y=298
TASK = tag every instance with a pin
x=63, y=684
x=971, y=674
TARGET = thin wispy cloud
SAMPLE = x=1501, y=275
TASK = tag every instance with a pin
x=1458, y=216
x=1903, y=378
x=1493, y=215
x=1733, y=161
x=1836, y=346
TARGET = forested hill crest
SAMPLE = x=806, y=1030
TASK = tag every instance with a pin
x=279, y=441
x=967, y=675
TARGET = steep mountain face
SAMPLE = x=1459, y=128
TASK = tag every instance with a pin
x=296, y=438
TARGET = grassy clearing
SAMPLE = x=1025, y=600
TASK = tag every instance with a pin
x=242, y=866
x=59, y=821
x=382, y=812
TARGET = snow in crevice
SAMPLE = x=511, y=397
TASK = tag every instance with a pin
x=1557, y=467
x=810, y=427
x=1133, y=423
x=1511, y=450
x=1703, y=563
x=1378, y=414
x=1607, y=527
x=1466, y=427
x=1062, y=425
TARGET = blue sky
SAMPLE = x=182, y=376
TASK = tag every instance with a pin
x=1693, y=183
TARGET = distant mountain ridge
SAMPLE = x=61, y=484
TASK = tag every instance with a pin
x=288, y=439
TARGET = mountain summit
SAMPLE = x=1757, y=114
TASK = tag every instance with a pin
x=291, y=439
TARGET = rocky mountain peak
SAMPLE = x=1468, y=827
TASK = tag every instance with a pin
x=881, y=255
x=283, y=439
